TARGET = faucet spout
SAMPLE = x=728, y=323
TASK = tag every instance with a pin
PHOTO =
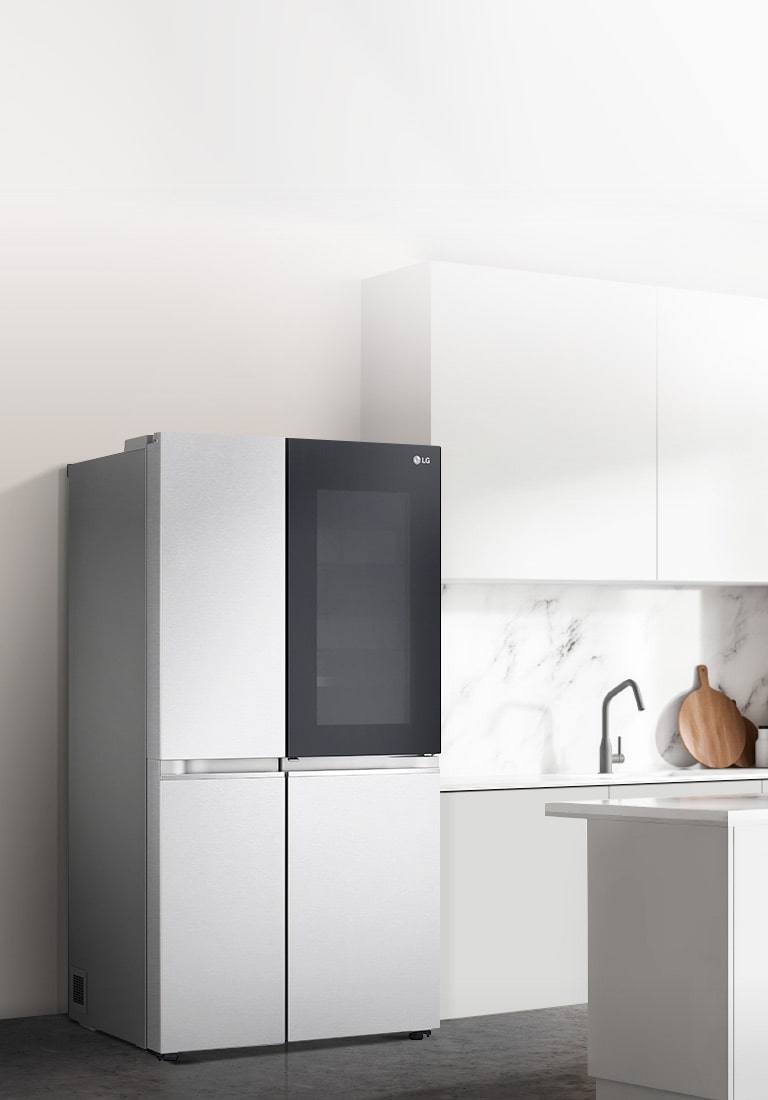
x=607, y=757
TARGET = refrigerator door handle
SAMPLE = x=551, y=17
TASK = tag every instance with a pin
x=186, y=776
x=231, y=766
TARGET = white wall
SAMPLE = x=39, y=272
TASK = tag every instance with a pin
x=190, y=192
x=615, y=138
x=114, y=324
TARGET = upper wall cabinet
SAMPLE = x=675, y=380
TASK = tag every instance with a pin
x=541, y=390
x=713, y=381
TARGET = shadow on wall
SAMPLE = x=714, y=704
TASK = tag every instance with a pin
x=734, y=630
x=33, y=775
x=668, y=742
x=733, y=644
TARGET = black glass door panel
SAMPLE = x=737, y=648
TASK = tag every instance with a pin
x=363, y=599
x=363, y=627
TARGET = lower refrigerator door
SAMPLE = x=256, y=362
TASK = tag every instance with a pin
x=217, y=966
x=363, y=902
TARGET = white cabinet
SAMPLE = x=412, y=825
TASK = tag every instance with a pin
x=678, y=985
x=514, y=894
x=713, y=372
x=514, y=902
x=541, y=390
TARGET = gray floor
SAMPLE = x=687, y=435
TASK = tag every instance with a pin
x=523, y=1055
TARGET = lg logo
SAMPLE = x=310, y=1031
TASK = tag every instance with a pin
x=417, y=460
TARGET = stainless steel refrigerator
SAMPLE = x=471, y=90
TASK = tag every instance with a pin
x=254, y=721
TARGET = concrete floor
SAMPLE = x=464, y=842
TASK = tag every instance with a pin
x=517, y=1056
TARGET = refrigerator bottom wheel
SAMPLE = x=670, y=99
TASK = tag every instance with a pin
x=419, y=1034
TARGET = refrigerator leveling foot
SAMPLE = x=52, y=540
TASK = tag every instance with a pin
x=419, y=1034
x=165, y=1057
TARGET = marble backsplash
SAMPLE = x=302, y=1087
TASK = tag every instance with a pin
x=526, y=667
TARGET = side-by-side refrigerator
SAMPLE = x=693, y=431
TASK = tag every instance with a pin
x=254, y=672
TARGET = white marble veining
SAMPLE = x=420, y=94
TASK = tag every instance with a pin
x=525, y=669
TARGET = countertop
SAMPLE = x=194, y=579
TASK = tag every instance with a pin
x=724, y=810
x=694, y=774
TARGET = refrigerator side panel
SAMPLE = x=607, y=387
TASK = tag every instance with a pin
x=221, y=597
x=107, y=745
x=221, y=912
x=363, y=903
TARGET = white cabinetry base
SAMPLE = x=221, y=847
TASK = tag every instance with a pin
x=677, y=982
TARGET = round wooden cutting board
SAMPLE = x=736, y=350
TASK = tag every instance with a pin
x=747, y=758
x=710, y=725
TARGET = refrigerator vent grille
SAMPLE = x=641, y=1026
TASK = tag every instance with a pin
x=78, y=988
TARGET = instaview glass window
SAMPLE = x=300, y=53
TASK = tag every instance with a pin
x=363, y=608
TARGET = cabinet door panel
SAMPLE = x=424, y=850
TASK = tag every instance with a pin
x=750, y=968
x=222, y=912
x=544, y=402
x=363, y=904
x=514, y=901
x=713, y=351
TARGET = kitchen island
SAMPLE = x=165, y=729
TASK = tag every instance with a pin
x=678, y=946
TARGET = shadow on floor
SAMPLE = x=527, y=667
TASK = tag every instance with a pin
x=538, y=1055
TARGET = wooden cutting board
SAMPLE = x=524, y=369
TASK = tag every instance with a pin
x=710, y=725
x=747, y=758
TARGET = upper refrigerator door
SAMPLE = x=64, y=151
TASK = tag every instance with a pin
x=216, y=602
x=363, y=599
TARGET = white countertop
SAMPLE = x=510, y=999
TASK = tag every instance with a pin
x=525, y=782
x=723, y=810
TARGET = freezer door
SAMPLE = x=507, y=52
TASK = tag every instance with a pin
x=219, y=980
x=363, y=903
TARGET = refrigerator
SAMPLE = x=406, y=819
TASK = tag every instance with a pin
x=254, y=671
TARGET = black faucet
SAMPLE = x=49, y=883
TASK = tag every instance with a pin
x=608, y=758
